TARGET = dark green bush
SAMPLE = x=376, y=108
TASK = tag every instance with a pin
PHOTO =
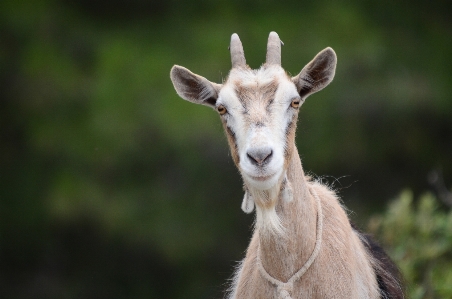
x=418, y=236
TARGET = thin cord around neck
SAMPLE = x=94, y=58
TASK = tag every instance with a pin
x=285, y=289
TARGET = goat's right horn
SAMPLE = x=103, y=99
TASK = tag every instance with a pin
x=273, y=49
x=237, y=54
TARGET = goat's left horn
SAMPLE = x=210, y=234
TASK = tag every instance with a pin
x=273, y=49
x=237, y=54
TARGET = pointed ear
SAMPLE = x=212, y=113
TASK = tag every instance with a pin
x=317, y=74
x=194, y=88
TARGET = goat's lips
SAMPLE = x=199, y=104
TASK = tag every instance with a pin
x=262, y=178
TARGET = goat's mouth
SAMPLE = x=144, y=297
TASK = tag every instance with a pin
x=262, y=178
x=262, y=181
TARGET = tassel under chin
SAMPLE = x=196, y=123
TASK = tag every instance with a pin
x=247, y=203
x=286, y=190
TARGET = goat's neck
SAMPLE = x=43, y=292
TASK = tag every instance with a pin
x=282, y=256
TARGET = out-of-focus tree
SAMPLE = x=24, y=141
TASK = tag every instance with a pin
x=113, y=187
x=418, y=236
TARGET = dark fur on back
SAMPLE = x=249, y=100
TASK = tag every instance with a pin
x=388, y=275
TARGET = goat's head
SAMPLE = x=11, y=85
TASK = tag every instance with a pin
x=258, y=108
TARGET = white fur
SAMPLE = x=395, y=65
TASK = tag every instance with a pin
x=286, y=190
x=249, y=136
x=267, y=220
x=247, y=203
x=285, y=229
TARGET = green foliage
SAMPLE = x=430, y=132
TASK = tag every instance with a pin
x=418, y=236
x=111, y=186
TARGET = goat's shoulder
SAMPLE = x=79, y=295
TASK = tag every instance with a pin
x=342, y=245
x=334, y=213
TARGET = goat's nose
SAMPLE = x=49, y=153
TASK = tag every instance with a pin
x=260, y=155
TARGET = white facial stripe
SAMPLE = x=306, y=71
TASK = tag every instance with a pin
x=259, y=113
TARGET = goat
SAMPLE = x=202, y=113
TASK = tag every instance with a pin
x=303, y=245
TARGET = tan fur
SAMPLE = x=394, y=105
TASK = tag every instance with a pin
x=342, y=269
x=232, y=143
x=260, y=123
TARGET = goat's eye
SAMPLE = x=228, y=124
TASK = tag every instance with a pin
x=295, y=103
x=221, y=109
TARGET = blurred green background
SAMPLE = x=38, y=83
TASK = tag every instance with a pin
x=111, y=186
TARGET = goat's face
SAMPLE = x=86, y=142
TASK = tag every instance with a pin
x=258, y=108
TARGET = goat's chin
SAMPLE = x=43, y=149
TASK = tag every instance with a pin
x=262, y=185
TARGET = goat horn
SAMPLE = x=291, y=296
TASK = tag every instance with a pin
x=273, y=49
x=237, y=54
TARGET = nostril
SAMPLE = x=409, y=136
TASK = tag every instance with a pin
x=260, y=156
x=252, y=159
x=269, y=156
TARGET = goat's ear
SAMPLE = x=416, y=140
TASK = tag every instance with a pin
x=194, y=88
x=317, y=74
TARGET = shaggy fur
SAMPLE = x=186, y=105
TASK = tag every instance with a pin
x=259, y=111
x=344, y=267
